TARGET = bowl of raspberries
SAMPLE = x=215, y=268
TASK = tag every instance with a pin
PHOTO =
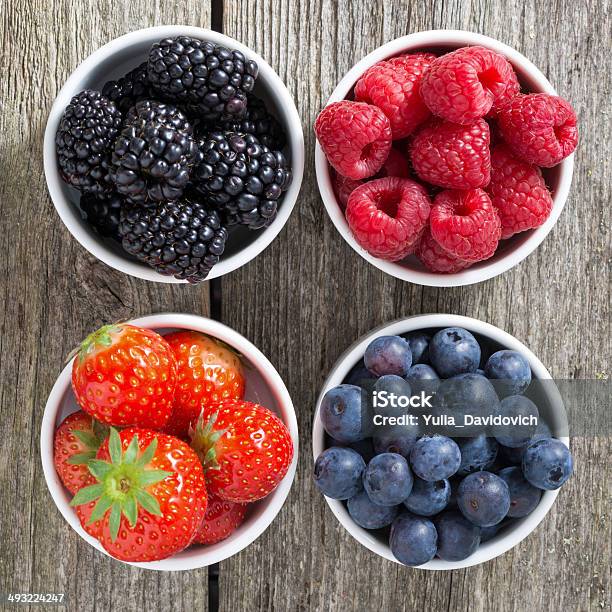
x=169, y=442
x=444, y=158
x=440, y=441
x=174, y=154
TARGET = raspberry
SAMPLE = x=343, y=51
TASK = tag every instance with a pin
x=393, y=86
x=465, y=224
x=396, y=165
x=518, y=192
x=468, y=83
x=355, y=137
x=387, y=216
x=343, y=187
x=436, y=259
x=452, y=155
x=540, y=129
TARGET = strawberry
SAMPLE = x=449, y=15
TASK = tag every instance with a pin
x=149, y=498
x=245, y=449
x=76, y=441
x=222, y=518
x=208, y=372
x=125, y=375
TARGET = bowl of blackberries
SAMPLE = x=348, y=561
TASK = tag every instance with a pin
x=174, y=154
x=440, y=441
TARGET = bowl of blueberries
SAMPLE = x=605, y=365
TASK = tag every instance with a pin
x=174, y=154
x=440, y=441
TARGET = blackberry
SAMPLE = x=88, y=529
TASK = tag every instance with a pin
x=208, y=80
x=259, y=122
x=158, y=112
x=184, y=239
x=242, y=178
x=103, y=213
x=84, y=140
x=152, y=159
x=129, y=89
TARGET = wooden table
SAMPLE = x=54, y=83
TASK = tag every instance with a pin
x=302, y=302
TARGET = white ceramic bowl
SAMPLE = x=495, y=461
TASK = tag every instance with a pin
x=263, y=385
x=553, y=411
x=112, y=61
x=512, y=251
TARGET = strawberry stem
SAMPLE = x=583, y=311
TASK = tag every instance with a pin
x=204, y=438
x=122, y=483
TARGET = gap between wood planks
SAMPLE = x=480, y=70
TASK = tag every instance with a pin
x=216, y=24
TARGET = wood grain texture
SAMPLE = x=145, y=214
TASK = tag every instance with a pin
x=303, y=301
x=309, y=296
x=53, y=294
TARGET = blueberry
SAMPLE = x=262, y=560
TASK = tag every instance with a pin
x=387, y=479
x=338, y=472
x=388, y=355
x=477, y=454
x=457, y=537
x=515, y=455
x=385, y=388
x=413, y=539
x=419, y=346
x=515, y=407
x=360, y=376
x=428, y=498
x=547, y=463
x=523, y=496
x=342, y=413
x=395, y=439
x=467, y=395
x=454, y=351
x=488, y=533
x=435, y=457
x=510, y=370
x=368, y=514
x=483, y=498
x=423, y=377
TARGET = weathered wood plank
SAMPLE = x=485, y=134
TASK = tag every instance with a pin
x=54, y=293
x=308, y=296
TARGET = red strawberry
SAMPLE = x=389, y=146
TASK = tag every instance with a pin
x=208, y=372
x=245, y=449
x=76, y=441
x=125, y=375
x=149, y=499
x=222, y=518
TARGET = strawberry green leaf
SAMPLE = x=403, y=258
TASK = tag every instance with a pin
x=130, y=509
x=148, y=454
x=87, y=438
x=114, y=446
x=81, y=458
x=148, y=502
x=150, y=477
x=87, y=495
x=103, y=504
x=115, y=520
x=99, y=469
x=132, y=450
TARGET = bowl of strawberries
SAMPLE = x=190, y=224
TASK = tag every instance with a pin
x=444, y=158
x=169, y=442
